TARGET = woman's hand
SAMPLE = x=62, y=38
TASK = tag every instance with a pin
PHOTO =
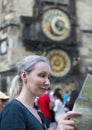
x=66, y=123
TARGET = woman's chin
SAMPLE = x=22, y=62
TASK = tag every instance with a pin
x=41, y=93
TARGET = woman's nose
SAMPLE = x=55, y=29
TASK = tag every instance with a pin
x=47, y=82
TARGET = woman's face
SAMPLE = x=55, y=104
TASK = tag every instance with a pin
x=37, y=81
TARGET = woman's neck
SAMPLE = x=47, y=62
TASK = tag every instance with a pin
x=26, y=99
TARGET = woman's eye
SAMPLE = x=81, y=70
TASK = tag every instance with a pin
x=42, y=75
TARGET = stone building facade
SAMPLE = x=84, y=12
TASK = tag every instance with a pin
x=15, y=14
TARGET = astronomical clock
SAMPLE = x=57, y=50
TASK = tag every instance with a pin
x=51, y=31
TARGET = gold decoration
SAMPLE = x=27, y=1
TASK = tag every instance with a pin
x=60, y=62
x=56, y=24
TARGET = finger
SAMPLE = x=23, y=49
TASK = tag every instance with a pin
x=71, y=114
x=69, y=128
x=66, y=127
x=66, y=122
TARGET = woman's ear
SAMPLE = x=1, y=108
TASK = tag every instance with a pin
x=24, y=76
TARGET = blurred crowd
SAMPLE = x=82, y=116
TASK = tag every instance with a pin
x=53, y=104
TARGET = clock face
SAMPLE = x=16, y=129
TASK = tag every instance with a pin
x=3, y=47
x=56, y=24
x=60, y=62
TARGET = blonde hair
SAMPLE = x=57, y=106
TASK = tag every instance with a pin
x=15, y=88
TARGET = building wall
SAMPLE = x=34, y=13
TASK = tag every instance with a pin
x=84, y=13
x=11, y=10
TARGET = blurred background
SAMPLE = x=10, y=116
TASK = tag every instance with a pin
x=61, y=30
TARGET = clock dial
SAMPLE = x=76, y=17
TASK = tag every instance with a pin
x=56, y=24
x=60, y=62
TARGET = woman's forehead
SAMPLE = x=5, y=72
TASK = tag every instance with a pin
x=42, y=66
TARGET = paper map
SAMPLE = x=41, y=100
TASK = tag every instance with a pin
x=84, y=104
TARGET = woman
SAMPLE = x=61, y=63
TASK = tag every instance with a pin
x=31, y=82
x=58, y=106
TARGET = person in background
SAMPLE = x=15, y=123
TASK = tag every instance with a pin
x=3, y=100
x=69, y=92
x=66, y=96
x=51, y=105
x=31, y=81
x=58, y=106
x=44, y=106
x=70, y=103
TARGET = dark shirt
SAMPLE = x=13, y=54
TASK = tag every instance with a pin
x=15, y=115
